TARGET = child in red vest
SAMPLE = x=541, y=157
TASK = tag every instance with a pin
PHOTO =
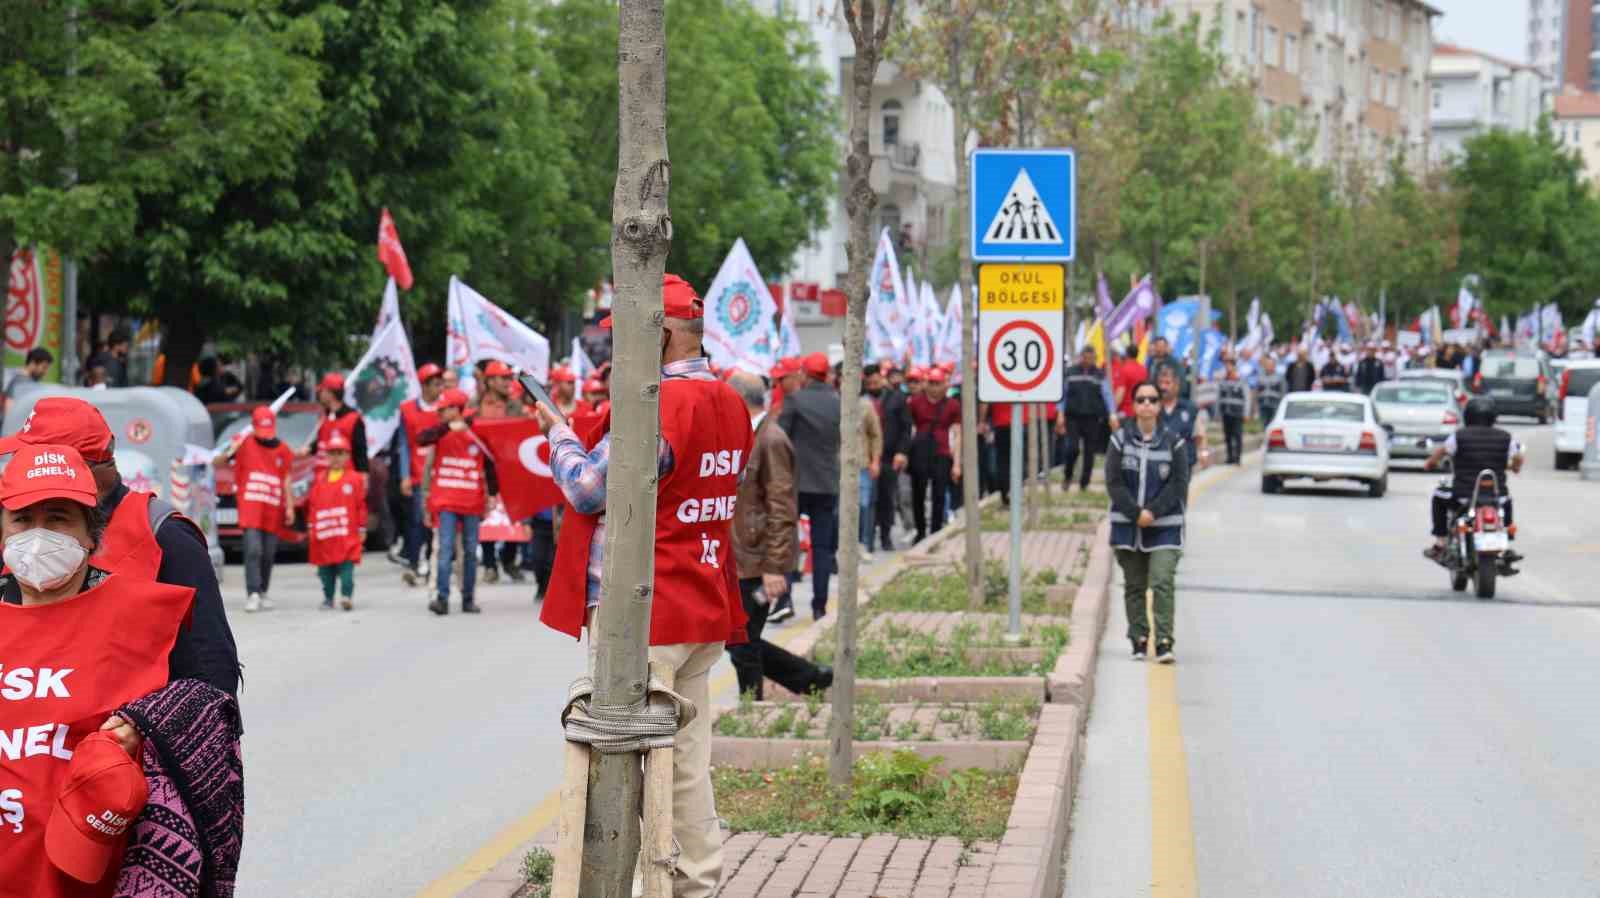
x=461, y=484
x=336, y=521
x=261, y=465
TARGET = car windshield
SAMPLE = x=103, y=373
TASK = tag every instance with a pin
x=1411, y=394
x=1511, y=367
x=294, y=428
x=1324, y=410
x=1581, y=380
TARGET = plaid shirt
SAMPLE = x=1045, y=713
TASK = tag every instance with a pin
x=582, y=475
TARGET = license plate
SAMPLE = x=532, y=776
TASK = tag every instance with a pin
x=1502, y=391
x=1322, y=441
x=1492, y=542
x=227, y=517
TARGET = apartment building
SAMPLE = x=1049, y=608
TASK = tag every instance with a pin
x=1576, y=121
x=1547, y=30
x=1472, y=92
x=1355, y=70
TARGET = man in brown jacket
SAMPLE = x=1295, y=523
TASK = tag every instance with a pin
x=764, y=548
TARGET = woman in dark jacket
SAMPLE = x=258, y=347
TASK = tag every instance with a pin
x=1147, y=477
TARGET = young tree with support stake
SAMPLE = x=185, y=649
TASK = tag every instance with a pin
x=869, y=29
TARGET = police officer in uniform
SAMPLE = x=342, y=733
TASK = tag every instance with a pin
x=1233, y=399
x=1273, y=386
x=1477, y=446
x=1086, y=412
x=1369, y=371
x=1180, y=416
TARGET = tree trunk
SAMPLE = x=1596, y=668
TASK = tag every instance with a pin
x=969, y=356
x=181, y=342
x=869, y=31
x=641, y=233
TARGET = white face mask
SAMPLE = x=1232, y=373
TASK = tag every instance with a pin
x=44, y=559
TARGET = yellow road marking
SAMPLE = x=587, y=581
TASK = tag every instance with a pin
x=484, y=859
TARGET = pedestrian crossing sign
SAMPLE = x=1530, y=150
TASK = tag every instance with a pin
x=1023, y=205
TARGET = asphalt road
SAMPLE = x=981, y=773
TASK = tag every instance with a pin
x=1340, y=723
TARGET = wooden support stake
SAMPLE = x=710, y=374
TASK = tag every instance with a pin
x=656, y=845
x=569, y=825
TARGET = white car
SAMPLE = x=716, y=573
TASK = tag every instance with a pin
x=1418, y=415
x=1452, y=376
x=1326, y=436
x=1572, y=410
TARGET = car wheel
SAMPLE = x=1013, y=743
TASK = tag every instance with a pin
x=1376, y=488
x=1271, y=485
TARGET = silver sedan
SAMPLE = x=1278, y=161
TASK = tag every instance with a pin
x=1418, y=414
x=1326, y=436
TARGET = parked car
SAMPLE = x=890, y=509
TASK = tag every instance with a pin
x=1518, y=383
x=1418, y=414
x=297, y=426
x=1572, y=410
x=1326, y=436
x=1450, y=376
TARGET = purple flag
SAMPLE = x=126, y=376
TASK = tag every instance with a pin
x=1102, y=299
x=1135, y=307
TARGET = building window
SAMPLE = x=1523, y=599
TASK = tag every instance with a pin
x=1391, y=90
x=1291, y=53
x=891, y=124
x=1272, y=46
x=1438, y=96
x=1241, y=35
x=1255, y=35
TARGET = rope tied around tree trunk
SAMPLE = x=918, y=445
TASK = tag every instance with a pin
x=634, y=727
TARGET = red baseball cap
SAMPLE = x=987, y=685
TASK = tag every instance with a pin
x=816, y=365
x=497, y=368
x=453, y=397
x=39, y=472
x=786, y=366
x=264, y=422
x=916, y=372
x=64, y=421
x=561, y=374
x=429, y=372
x=333, y=382
x=678, y=300
x=936, y=376
x=595, y=385
x=105, y=790
x=336, y=440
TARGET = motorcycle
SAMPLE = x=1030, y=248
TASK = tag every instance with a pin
x=1479, y=548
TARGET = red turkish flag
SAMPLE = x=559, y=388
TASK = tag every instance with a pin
x=521, y=464
x=391, y=253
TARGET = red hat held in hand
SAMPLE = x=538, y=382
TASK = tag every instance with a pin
x=64, y=421
x=104, y=791
x=678, y=300
x=264, y=422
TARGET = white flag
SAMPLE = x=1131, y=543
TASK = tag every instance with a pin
x=479, y=329
x=384, y=378
x=739, y=314
x=887, y=303
x=926, y=327
x=582, y=367
x=1550, y=321
x=389, y=310
x=949, y=345
x=788, y=339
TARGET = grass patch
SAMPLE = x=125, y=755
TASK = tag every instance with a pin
x=1056, y=509
x=895, y=652
x=946, y=590
x=897, y=793
x=538, y=867
x=1005, y=720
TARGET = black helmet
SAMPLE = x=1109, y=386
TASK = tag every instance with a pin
x=1480, y=412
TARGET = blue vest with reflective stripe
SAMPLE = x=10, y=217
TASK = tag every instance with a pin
x=1145, y=469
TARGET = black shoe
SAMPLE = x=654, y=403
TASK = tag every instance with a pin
x=822, y=680
x=1434, y=553
x=1138, y=648
x=1164, y=653
x=1511, y=556
x=469, y=607
x=781, y=613
x=439, y=607
x=491, y=575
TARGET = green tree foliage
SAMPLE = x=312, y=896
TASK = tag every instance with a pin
x=752, y=131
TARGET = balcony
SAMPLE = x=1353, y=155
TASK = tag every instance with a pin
x=899, y=164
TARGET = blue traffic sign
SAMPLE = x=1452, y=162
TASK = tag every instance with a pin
x=1024, y=205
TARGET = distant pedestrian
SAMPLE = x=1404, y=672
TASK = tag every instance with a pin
x=1233, y=400
x=497, y=399
x=1087, y=410
x=811, y=418
x=1181, y=417
x=416, y=415
x=336, y=522
x=261, y=468
x=1335, y=375
x=34, y=368
x=337, y=416
x=933, y=465
x=461, y=484
x=871, y=433
x=1147, y=477
x=1162, y=359
x=1302, y=375
x=1272, y=388
x=896, y=454
x=1369, y=371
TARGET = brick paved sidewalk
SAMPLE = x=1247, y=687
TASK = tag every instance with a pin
x=1059, y=549
x=877, y=866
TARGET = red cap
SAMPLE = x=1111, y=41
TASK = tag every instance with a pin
x=786, y=366
x=333, y=382
x=429, y=372
x=497, y=368
x=947, y=367
x=264, y=422
x=453, y=398
x=916, y=372
x=39, y=472
x=816, y=365
x=64, y=421
x=595, y=385
x=336, y=440
x=678, y=300
x=936, y=376
x=561, y=374
x=104, y=791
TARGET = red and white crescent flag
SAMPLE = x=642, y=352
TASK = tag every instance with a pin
x=521, y=464
x=391, y=253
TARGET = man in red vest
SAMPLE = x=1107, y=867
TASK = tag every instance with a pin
x=461, y=484
x=416, y=415
x=266, y=505
x=338, y=416
x=697, y=610
x=145, y=539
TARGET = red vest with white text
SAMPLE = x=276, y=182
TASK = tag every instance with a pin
x=345, y=424
x=696, y=587
x=459, y=483
x=258, y=474
x=336, y=517
x=415, y=419
x=68, y=666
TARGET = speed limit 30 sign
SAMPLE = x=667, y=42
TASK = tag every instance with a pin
x=1020, y=316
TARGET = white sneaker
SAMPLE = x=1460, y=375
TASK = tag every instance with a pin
x=866, y=557
x=266, y=603
x=252, y=604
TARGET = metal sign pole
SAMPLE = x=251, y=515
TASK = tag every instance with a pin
x=1014, y=578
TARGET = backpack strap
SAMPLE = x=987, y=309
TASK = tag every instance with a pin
x=161, y=511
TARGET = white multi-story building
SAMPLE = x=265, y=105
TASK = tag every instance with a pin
x=1547, y=35
x=1355, y=70
x=1473, y=92
x=1577, y=125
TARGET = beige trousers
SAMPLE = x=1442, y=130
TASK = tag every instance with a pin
x=695, y=827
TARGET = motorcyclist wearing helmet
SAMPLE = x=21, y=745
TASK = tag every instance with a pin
x=1477, y=446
